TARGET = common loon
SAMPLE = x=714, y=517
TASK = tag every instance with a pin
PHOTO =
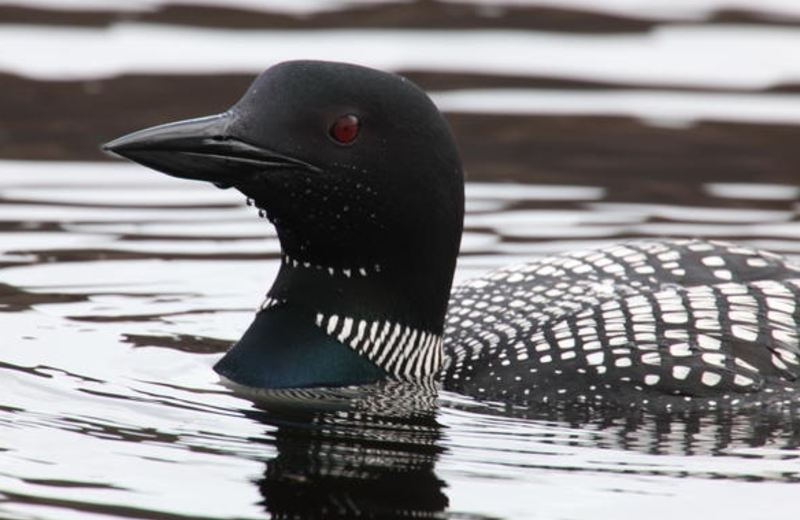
x=360, y=175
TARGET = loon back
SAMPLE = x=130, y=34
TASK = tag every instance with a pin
x=665, y=325
x=361, y=177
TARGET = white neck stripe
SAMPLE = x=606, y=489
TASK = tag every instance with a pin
x=408, y=353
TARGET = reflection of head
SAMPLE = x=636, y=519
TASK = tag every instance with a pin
x=353, y=464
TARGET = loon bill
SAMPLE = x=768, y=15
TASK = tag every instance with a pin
x=360, y=175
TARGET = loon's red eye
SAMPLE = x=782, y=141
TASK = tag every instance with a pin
x=345, y=129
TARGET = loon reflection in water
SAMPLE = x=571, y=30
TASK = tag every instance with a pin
x=361, y=177
x=366, y=464
x=370, y=463
x=352, y=465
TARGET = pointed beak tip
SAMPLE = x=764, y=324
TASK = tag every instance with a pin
x=114, y=147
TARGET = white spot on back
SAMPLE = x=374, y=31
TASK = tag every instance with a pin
x=723, y=274
x=623, y=362
x=710, y=378
x=713, y=261
x=595, y=358
x=652, y=379
x=680, y=372
x=744, y=332
x=707, y=342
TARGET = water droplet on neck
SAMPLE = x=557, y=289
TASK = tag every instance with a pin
x=249, y=201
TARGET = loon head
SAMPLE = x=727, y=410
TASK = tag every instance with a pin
x=360, y=175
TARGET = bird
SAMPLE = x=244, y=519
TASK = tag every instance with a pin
x=362, y=178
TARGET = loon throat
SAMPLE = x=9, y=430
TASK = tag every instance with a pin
x=395, y=340
x=361, y=177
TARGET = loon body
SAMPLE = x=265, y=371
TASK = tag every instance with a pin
x=665, y=325
x=361, y=177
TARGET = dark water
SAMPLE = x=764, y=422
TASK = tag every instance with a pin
x=119, y=288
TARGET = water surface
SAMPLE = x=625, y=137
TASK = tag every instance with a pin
x=120, y=287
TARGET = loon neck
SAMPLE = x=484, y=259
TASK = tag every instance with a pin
x=390, y=314
x=409, y=288
x=373, y=290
